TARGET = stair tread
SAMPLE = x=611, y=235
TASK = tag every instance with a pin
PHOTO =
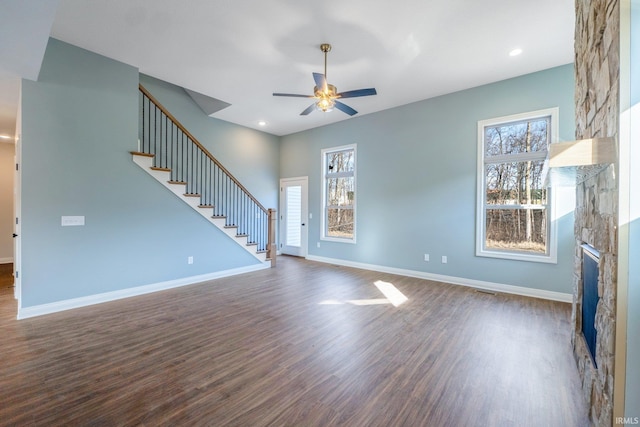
x=191, y=195
x=139, y=153
x=205, y=206
x=230, y=226
x=178, y=182
x=155, y=168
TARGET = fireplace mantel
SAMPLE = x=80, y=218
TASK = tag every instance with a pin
x=571, y=162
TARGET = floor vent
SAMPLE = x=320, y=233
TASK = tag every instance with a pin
x=484, y=291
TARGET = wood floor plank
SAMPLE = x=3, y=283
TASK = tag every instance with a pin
x=303, y=344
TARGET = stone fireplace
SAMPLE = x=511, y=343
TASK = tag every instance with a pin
x=597, y=61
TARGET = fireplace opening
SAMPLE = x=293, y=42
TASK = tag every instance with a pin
x=590, y=298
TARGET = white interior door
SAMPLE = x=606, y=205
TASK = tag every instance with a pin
x=294, y=214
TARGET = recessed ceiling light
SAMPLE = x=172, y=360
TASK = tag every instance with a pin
x=262, y=123
x=515, y=52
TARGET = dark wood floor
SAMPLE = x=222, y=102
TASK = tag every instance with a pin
x=284, y=347
x=6, y=275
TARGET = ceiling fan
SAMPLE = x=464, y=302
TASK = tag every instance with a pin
x=326, y=94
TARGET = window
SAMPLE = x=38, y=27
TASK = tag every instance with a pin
x=514, y=206
x=339, y=194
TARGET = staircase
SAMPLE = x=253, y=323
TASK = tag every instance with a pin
x=175, y=158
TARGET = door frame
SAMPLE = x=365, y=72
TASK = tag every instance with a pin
x=17, y=223
x=304, y=243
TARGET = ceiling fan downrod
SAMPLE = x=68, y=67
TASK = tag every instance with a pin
x=325, y=47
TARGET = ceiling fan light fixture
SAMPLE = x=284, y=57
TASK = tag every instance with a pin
x=331, y=91
x=325, y=104
x=326, y=98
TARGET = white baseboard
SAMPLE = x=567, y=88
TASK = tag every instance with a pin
x=54, y=307
x=8, y=260
x=472, y=283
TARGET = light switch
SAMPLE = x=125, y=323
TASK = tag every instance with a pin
x=68, y=221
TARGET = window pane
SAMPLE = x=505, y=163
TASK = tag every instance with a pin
x=294, y=215
x=340, y=161
x=516, y=230
x=340, y=223
x=340, y=191
x=516, y=183
x=339, y=168
x=517, y=137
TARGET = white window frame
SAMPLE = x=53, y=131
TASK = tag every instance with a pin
x=552, y=240
x=323, y=228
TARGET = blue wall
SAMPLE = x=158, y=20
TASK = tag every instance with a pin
x=80, y=120
x=416, y=181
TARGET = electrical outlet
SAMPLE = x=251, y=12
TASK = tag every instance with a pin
x=444, y=259
x=426, y=257
x=190, y=260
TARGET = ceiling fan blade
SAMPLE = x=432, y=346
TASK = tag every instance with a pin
x=357, y=92
x=295, y=95
x=321, y=81
x=309, y=109
x=345, y=108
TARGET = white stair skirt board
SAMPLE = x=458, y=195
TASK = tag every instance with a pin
x=6, y=260
x=54, y=307
x=471, y=283
x=163, y=177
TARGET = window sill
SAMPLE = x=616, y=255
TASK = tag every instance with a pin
x=516, y=256
x=338, y=240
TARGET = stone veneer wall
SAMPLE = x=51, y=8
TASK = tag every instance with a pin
x=597, y=51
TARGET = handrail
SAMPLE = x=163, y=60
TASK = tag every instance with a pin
x=177, y=151
x=199, y=145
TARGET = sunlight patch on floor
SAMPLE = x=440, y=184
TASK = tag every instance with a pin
x=331, y=302
x=374, y=301
x=392, y=294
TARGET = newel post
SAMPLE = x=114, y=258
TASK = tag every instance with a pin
x=271, y=238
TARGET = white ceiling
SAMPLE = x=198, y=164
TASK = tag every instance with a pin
x=241, y=51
